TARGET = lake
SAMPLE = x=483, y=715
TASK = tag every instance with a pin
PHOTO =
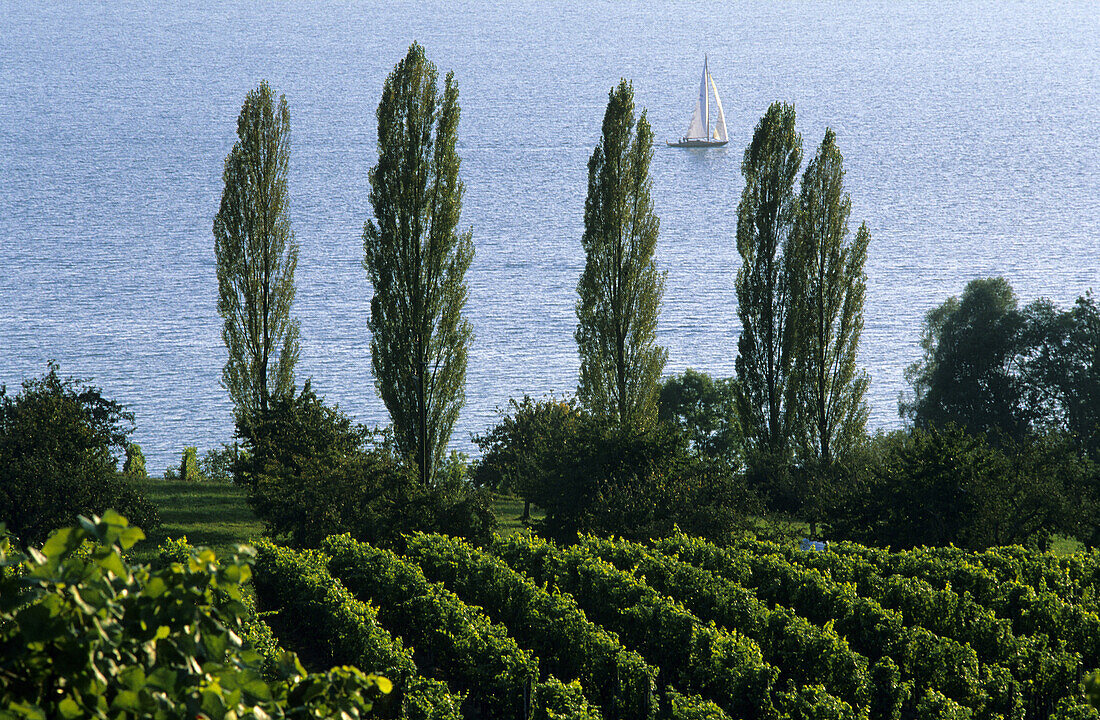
x=970, y=130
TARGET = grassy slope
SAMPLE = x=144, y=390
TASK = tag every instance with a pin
x=209, y=513
x=217, y=515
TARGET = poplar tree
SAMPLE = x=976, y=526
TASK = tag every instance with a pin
x=765, y=220
x=417, y=261
x=256, y=258
x=620, y=288
x=827, y=293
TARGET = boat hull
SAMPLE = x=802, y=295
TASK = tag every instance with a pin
x=683, y=143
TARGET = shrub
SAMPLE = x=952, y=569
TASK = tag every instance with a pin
x=138, y=643
x=217, y=464
x=189, y=465
x=312, y=472
x=134, y=467
x=60, y=441
x=590, y=477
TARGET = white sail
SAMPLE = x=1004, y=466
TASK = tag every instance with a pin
x=720, y=123
x=700, y=122
x=699, y=130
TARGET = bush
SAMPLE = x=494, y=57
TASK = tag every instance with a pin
x=189, y=465
x=139, y=643
x=593, y=478
x=134, y=467
x=312, y=472
x=217, y=464
x=944, y=486
x=60, y=441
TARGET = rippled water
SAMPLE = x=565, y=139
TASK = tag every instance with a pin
x=969, y=127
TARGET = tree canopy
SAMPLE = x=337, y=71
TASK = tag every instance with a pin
x=416, y=260
x=620, y=288
x=827, y=287
x=765, y=221
x=256, y=257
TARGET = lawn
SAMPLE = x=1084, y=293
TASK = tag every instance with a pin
x=216, y=514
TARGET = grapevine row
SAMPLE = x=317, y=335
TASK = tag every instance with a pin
x=928, y=660
x=553, y=626
x=1031, y=610
x=459, y=643
x=805, y=653
x=724, y=666
x=327, y=626
x=1044, y=673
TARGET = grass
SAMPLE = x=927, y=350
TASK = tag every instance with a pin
x=213, y=514
x=509, y=510
x=216, y=515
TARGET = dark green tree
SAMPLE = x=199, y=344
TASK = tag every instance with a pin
x=827, y=287
x=705, y=409
x=256, y=257
x=60, y=441
x=969, y=374
x=417, y=260
x=521, y=454
x=765, y=220
x=620, y=288
x=1061, y=370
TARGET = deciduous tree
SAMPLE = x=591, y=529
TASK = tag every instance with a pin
x=765, y=220
x=969, y=374
x=827, y=287
x=256, y=258
x=620, y=288
x=417, y=260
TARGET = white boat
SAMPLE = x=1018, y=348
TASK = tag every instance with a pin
x=699, y=133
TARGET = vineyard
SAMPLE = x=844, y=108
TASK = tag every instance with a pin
x=684, y=629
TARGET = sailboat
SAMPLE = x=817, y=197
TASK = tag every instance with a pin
x=699, y=133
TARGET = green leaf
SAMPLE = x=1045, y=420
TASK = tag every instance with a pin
x=69, y=709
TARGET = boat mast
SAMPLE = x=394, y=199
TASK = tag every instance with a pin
x=706, y=100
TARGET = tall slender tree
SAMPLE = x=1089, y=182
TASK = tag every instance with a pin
x=417, y=260
x=765, y=219
x=620, y=288
x=827, y=296
x=256, y=258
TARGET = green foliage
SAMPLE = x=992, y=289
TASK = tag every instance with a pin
x=722, y=666
x=217, y=464
x=827, y=285
x=967, y=375
x=84, y=634
x=416, y=261
x=620, y=288
x=804, y=654
x=256, y=257
x=134, y=466
x=475, y=654
x=1061, y=373
x=941, y=486
x=60, y=440
x=549, y=622
x=325, y=624
x=923, y=659
x=591, y=476
x=705, y=409
x=765, y=220
x=522, y=453
x=313, y=472
x=189, y=465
